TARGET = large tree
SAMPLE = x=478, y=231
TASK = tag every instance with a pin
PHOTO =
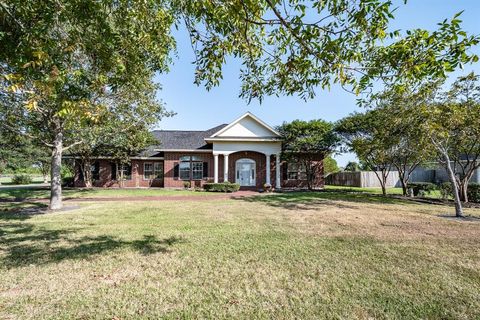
x=463, y=100
x=452, y=121
x=367, y=136
x=304, y=141
x=296, y=46
x=62, y=60
x=399, y=131
x=120, y=133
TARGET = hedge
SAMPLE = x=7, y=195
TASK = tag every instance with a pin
x=473, y=191
x=420, y=188
x=21, y=179
x=221, y=187
x=446, y=190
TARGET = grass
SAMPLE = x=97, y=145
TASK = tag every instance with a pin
x=390, y=191
x=37, y=193
x=7, y=180
x=300, y=255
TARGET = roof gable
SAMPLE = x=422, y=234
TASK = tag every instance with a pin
x=247, y=126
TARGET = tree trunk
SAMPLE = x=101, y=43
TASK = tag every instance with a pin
x=87, y=173
x=404, y=187
x=463, y=188
x=120, y=175
x=451, y=174
x=384, y=184
x=382, y=179
x=56, y=179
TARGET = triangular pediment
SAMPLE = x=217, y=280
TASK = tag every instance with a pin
x=247, y=126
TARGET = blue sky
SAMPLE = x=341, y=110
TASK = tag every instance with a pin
x=199, y=109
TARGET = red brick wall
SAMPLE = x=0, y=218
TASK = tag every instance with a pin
x=105, y=173
x=318, y=182
x=170, y=182
x=172, y=157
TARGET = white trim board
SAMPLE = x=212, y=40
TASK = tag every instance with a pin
x=266, y=127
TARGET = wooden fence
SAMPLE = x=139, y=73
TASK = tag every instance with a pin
x=362, y=179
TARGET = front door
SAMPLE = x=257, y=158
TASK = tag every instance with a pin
x=245, y=172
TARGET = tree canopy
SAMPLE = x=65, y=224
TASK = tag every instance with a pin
x=307, y=143
x=66, y=64
x=296, y=46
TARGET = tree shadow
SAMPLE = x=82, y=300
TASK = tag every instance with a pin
x=308, y=200
x=13, y=210
x=25, y=244
x=23, y=193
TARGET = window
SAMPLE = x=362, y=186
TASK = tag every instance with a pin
x=125, y=171
x=158, y=170
x=152, y=171
x=296, y=171
x=113, y=170
x=197, y=170
x=191, y=168
x=184, y=170
x=148, y=171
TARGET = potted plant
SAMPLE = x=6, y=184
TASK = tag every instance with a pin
x=267, y=187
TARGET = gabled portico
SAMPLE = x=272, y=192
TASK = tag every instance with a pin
x=247, y=137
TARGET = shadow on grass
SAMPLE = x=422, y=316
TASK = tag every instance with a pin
x=306, y=200
x=25, y=244
x=10, y=210
x=38, y=192
x=20, y=194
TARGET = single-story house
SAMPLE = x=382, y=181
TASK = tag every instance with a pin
x=246, y=151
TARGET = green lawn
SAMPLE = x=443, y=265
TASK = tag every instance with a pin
x=300, y=255
x=390, y=191
x=7, y=180
x=36, y=193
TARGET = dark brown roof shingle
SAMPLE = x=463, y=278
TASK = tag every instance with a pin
x=184, y=140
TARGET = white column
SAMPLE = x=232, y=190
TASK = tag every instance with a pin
x=215, y=168
x=277, y=171
x=267, y=165
x=225, y=167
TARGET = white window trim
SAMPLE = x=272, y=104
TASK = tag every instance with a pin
x=153, y=171
x=191, y=161
x=131, y=172
x=144, y=177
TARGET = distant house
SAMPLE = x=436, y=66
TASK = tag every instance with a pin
x=246, y=151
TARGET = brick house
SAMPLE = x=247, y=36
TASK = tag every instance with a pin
x=246, y=151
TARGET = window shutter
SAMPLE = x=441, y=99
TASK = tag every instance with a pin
x=284, y=171
x=113, y=171
x=205, y=169
x=175, y=170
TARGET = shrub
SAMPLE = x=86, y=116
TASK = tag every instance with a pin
x=221, y=187
x=186, y=184
x=445, y=190
x=421, y=188
x=67, y=181
x=21, y=179
x=473, y=192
